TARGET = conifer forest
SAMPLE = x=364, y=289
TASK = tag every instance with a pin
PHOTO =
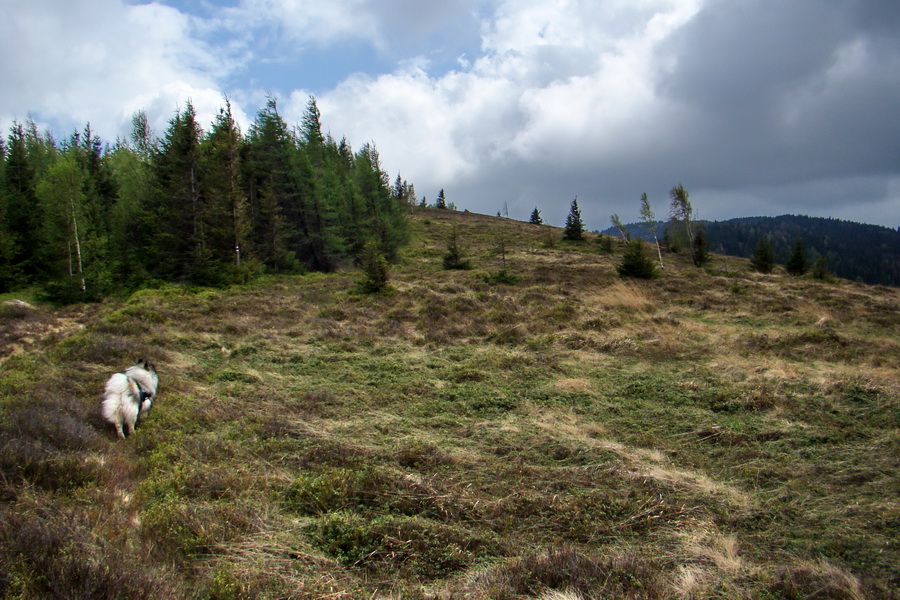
x=82, y=218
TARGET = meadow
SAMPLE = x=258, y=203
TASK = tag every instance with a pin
x=534, y=427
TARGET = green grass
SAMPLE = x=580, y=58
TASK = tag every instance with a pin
x=724, y=435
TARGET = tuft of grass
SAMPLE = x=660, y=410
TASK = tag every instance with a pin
x=566, y=572
x=406, y=546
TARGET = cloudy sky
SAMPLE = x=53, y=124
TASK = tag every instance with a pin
x=758, y=107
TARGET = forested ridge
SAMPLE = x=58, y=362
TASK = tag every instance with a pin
x=81, y=219
x=860, y=252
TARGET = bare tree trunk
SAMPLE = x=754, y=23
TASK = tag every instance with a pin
x=69, y=252
x=658, y=251
x=78, y=248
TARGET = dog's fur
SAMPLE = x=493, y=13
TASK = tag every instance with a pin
x=128, y=396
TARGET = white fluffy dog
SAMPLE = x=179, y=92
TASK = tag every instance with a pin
x=129, y=395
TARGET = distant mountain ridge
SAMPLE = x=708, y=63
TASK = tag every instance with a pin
x=856, y=251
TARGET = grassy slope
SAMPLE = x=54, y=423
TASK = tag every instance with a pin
x=702, y=435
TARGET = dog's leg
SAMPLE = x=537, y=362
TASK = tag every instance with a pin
x=130, y=425
x=119, y=430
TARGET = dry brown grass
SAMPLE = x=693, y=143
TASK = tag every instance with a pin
x=565, y=436
x=623, y=296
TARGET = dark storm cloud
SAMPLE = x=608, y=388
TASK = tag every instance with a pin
x=788, y=91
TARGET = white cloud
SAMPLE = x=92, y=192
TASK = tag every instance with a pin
x=607, y=100
x=750, y=103
x=74, y=62
x=551, y=91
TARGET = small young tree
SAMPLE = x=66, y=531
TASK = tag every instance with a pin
x=617, y=223
x=454, y=260
x=763, y=259
x=549, y=237
x=503, y=275
x=635, y=262
x=574, y=230
x=604, y=242
x=649, y=219
x=820, y=269
x=700, y=249
x=536, y=217
x=375, y=268
x=797, y=263
x=441, y=201
x=680, y=213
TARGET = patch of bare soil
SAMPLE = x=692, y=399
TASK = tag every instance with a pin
x=23, y=325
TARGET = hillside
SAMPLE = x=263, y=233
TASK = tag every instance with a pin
x=855, y=251
x=709, y=434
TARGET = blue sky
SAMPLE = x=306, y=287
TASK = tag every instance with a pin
x=758, y=107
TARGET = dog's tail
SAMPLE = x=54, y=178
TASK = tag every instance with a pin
x=116, y=388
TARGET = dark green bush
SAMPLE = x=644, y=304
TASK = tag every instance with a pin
x=635, y=263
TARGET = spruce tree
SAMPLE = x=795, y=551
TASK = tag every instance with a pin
x=180, y=244
x=454, y=259
x=441, y=201
x=318, y=182
x=399, y=190
x=820, y=269
x=100, y=188
x=311, y=129
x=228, y=219
x=129, y=237
x=23, y=216
x=6, y=245
x=700, y=249
x=797, y=263
x=574, y=230
x=536, y=217
x=635, y=262
x=383, y=217
x=274, y=215
x=375, y=268
x=763, y=259
x=604, y=242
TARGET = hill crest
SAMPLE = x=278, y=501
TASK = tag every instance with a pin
x=711, y=432
x=856, y=251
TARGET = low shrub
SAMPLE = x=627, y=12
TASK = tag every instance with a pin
x=53, y=554
x=411, y=546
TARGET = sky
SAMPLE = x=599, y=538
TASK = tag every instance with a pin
x=757, y=107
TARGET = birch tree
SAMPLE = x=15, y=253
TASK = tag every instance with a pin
x=681, y=211
x=63, y=228
x=649, y=219
x=617, y=223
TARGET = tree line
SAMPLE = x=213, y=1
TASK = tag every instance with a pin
x=856, y=251
x=867, y=253
x=680, y=232
x=81, y=219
